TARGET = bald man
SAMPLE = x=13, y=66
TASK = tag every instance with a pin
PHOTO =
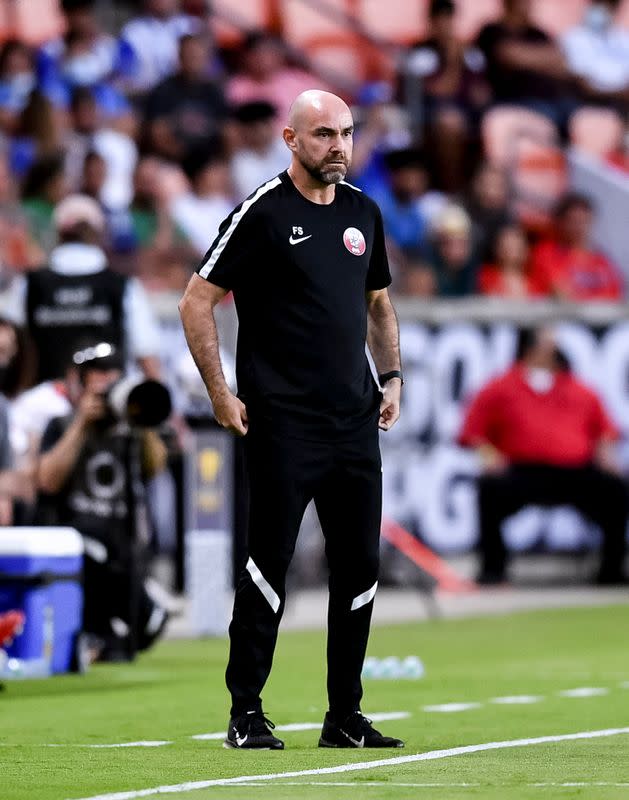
x=305, y=258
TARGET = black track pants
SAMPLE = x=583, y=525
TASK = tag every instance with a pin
x=602, y=497
x=344, y=479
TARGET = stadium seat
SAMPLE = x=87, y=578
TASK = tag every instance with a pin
x=302, y=23
x=558, y=16
x=597, y=131
x=526, y=145
x=398, y=21
x=471, y=16
x=252, y=15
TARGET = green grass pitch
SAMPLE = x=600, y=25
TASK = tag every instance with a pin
x=177, y=691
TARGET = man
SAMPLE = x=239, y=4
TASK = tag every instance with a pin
x=306, y=261
x=263, y=153
x=184, y=113
x=566, y=266
x=86, y=476
x=524, y=65
x=543, y=438
x=78, y=296
x=597, y=52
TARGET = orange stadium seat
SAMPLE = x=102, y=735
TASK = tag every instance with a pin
x=252, y=15
x=526, y=145
x=399, y=21
x=597, y=131
x=303, y=23
x=557, y=16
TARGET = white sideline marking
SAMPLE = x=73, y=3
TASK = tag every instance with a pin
x=119, y=744
x=624, y=685
x=577, y=785
x=191, y=786
x=517, y=700
x=382, y=716
x=361, y=784
x=452, y=708
x=584, y=691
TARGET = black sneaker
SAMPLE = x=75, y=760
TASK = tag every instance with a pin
x=356, y=731
x=252, y=731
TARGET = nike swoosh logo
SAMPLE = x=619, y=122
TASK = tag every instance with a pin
x=297, y=241
x=355, y=742
x=240, y=740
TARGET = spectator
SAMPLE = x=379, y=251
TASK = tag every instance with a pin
x=18, y=250
x=17, y=81
x=77, y=295
x=454, y=91
x=44, y=186
x=185, y=112
x=199, y=213
x=84, y=477
x=488, y=207
x=524, y=65
x=543, y=438
x=11, y=625
x=507, y=275
x=451, y=254
x=417, y=279
x=266, y=76
x=384, y=127
x=39, y=133
x=405, y=202
x=597, y=52
x=566, y=266
x=154, y=41
x=263, y=154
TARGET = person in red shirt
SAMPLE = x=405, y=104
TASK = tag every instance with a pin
x=565, y=266
x=545, y=439
x=507, y=276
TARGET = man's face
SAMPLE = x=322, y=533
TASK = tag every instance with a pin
x=98, y=381
x=323, y=145
x=409, y=183
x=259, y=135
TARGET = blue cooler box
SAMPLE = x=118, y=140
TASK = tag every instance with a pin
x=40, y=574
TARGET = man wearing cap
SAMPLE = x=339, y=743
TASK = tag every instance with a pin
x=263, y=154
x=78, y=296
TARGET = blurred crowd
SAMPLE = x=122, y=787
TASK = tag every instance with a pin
x=167, y=130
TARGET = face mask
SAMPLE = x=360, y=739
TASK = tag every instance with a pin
x=540, y=380
x=598, y=18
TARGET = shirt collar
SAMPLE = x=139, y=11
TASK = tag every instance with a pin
x=75, y=258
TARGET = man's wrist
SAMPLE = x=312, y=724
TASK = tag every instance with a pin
x=394, y=374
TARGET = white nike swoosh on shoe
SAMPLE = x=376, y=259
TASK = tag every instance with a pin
x=297, y=241
x=240, y=740
x=355, y=742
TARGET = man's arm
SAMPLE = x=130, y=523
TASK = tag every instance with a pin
x=197, y=315
x=383, y=339
x=56, y=465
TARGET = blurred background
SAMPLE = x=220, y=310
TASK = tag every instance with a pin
x=494, y=136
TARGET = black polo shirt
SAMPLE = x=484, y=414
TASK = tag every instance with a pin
x=299, y=272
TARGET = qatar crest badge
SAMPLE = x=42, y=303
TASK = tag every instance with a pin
x=354, y=240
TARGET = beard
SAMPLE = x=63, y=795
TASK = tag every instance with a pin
x=324, y=171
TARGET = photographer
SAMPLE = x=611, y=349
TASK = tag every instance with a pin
x=91, y=476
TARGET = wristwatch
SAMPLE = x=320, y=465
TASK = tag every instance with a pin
x=386, y=376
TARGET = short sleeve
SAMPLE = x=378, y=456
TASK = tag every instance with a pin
x=235, y=247
x=480, y=420
x=601, y=425
x=379, y=274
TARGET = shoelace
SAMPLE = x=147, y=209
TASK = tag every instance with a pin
x=259, y=724
x=363, y=724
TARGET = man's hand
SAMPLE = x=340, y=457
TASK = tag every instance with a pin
x=91, y=408
x=390, y=404
x=492, y=460
x=230, y=413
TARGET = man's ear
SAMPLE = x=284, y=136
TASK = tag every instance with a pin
x=290, y=138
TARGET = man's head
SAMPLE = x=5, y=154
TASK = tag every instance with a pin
x=262, y=55
x=408, y=174
x=93, y=369
x=574, y=216
x=257, y=125
x=193, y=57
x=79, y=218
x=319, y=134
x=161, y=8
x=209, y=174
x=537, y=348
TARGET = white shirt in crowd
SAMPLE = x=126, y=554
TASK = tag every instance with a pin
x=141, y=329
x=199, y=217
x=250, y=169
x=155, y=43
x=599, y=56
